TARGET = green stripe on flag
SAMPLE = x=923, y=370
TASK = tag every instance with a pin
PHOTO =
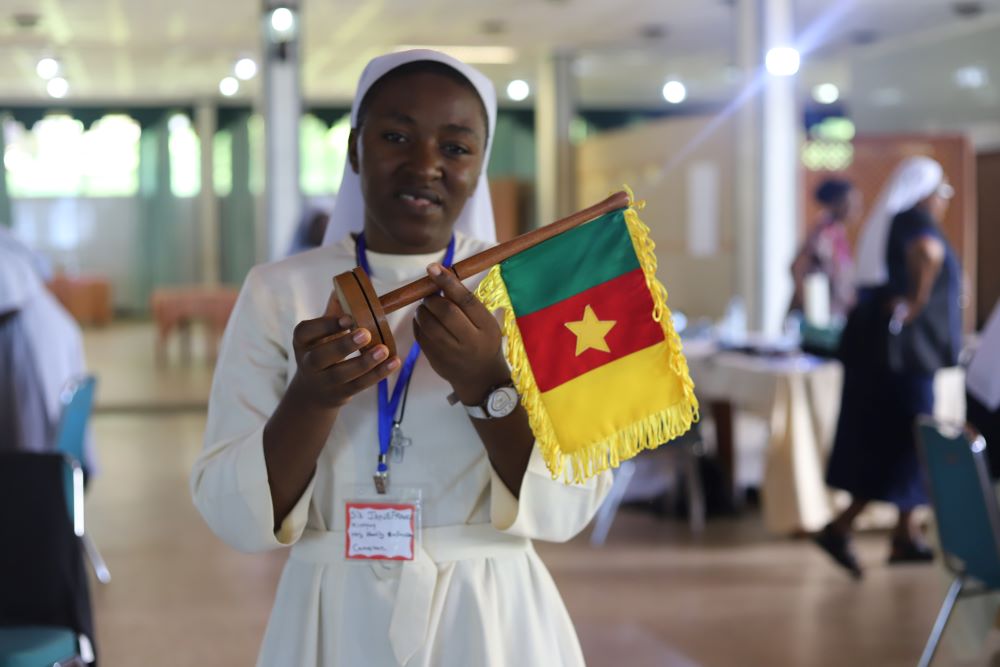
x=572, y=262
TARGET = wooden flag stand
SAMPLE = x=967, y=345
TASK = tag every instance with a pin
x=358, y=299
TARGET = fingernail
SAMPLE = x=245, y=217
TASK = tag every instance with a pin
x=344, y=322
x=380, y=353
x=360, y=336
x=434, y=269
x=393, y=365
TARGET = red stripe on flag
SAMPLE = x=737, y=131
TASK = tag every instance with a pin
x=551, y=346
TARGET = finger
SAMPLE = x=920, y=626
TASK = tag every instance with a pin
x=453, y=318
x=343, y=372
x=458, y=293
x=433, y=327
x=372, y=377
x=310, y=332
x=325, y=353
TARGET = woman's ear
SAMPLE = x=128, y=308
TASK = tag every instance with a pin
x=352, y=150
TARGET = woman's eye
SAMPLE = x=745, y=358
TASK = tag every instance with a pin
x=394, y=137
x=456, y=149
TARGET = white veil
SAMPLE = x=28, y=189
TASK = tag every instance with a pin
x=476, y=219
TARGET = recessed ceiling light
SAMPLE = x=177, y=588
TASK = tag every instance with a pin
x=229, y=86
x=245, y=69
x=282, y=20
x=480, y=55
x=971, y=77
x=782, y=61
x=674, y=91
x=826, y=93
x=57, y=87
x=518, y=90
x=47, y=68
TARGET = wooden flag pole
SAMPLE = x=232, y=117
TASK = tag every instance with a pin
x=358, y=299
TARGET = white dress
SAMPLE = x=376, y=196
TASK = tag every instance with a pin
x=476, y=594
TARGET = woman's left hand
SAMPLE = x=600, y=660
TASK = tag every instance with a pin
x=461, y=338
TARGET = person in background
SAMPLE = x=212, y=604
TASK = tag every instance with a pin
x=982, y=383
x=41, y=351
x=827, y=249
x=906, y=326
x=38, y=261
x=310, y=231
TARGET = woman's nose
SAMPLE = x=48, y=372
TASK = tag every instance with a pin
x=425, y=160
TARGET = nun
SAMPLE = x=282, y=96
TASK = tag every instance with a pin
x=307, y=427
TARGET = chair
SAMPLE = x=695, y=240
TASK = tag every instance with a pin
x=78, y=403
x=688, y=448
x=967, y=515
x=45, y=614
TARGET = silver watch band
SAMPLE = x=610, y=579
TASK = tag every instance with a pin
x=476, y=411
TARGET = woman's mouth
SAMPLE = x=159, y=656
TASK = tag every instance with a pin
x=420, y=201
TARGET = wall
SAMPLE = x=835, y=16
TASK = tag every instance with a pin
x=664, y=161
x=102, y=236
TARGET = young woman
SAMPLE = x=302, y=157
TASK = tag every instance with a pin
x=294, y=431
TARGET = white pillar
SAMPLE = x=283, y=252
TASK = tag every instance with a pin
x=554, y=107
x=205, y=120
x=769, y=192
x=282, y=107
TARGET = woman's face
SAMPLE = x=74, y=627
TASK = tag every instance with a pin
x=423, y=139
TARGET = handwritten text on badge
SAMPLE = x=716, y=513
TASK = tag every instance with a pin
x=380, y=531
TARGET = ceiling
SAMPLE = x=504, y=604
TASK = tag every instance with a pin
x=146, y=51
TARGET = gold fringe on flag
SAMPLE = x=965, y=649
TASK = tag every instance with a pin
x=648, y=433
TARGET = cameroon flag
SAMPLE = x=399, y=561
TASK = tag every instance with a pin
x=591, y=345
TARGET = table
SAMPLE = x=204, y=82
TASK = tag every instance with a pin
x=86, y=297
x=799, y=396
x=175, y=308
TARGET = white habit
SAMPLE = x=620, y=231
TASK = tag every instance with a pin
x=477, y=594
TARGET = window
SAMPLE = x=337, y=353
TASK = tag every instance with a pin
x=222, y=162
x=185, y=157
x=323, y=152
x=58, y=157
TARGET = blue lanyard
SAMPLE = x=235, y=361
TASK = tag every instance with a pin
x=387, y=407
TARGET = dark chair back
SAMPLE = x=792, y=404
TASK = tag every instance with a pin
x=965, y=504
x=42, y=577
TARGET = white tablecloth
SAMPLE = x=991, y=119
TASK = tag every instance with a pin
x=799, y=396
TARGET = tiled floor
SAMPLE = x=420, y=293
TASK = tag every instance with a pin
x=653, y=596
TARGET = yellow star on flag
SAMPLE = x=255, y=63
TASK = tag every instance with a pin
x=590, y=332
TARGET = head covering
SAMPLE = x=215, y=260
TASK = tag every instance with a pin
x=476, y=219
x=37, y=260
x=915, y=179
x=19, y=281
x=832, y=190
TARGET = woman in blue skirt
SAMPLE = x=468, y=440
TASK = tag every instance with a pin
x=905, y=326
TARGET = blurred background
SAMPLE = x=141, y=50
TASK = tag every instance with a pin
x=154, y=152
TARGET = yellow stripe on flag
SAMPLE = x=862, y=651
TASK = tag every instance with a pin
x=597, y=405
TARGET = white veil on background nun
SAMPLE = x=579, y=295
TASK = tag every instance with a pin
x=25, y=424
x=42, y=350
x=476, y=219
x=914, y=179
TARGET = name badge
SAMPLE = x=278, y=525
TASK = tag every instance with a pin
x=380, y=531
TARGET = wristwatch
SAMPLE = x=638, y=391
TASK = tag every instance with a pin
x=499, y=403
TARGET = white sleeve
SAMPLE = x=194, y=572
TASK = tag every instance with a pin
x=229, y=480
x=547, y=509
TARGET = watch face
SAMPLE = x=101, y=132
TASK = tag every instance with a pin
x=501, y=402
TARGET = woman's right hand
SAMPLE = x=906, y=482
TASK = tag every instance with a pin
x=328, y=376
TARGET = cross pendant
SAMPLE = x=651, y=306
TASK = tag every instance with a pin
x=398, y=443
